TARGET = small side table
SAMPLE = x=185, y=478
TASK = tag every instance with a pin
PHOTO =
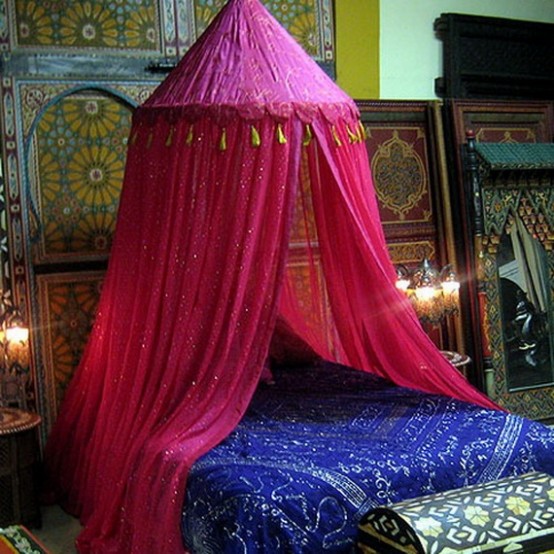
x=19, y=459
x=459, y=361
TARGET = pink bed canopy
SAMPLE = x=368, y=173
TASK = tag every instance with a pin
x=245, y=136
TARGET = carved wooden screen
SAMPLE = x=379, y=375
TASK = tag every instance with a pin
x=495, y=58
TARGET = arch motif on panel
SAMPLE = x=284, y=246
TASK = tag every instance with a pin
x=399, y=175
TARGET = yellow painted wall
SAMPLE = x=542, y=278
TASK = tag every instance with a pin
x=387, y=48
x=357, y=47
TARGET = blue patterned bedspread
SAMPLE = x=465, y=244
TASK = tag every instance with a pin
x=325, y=444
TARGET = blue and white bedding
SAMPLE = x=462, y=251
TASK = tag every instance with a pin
x=325, y=444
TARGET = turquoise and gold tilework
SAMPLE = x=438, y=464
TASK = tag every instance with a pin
x=142, y=26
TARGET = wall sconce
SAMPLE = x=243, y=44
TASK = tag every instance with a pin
x=434, y=294
x=14, y=355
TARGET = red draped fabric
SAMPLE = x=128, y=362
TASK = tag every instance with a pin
x=197, y=277
x=185, y=318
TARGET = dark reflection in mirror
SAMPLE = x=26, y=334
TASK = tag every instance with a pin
x=525, y=310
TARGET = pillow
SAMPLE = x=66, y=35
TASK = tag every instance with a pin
x=287, y=348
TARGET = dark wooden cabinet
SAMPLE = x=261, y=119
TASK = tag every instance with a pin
x=496, y=58
x=490, y=121
x=19, y=463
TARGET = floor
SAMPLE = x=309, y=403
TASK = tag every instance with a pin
x=58, y=530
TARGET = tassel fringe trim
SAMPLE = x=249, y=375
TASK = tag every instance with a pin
x=255, y=137
x=354, y=136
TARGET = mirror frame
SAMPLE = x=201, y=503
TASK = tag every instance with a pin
x=535, y=206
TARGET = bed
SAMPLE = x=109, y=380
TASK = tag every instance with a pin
x=323, y=444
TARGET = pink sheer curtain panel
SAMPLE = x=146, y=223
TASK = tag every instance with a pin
x=377, y=327
x=183, y=328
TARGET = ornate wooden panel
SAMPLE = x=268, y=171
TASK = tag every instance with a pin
x=492, y=57
x=500, y=121
x=535, y=402
x=407, y=157
x=67, y=304
x=513, y=224
x=401, y=141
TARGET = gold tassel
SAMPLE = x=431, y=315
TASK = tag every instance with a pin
x=362, y=130
x=336, y=136
x=169, y=138
x=256, y=141
x=307, y=135
x=281, y=139
x=149, y=140
x=190, y=135
x=353, y=137
x=223, y=140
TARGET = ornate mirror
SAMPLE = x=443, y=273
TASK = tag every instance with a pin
x=512, y=187
x=525, y=308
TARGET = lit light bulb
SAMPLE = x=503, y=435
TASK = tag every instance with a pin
x=425, y=294
x=450, y=287
x=17, y=334
x=402, y=284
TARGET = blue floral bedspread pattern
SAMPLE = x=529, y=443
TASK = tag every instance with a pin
x=325, y=444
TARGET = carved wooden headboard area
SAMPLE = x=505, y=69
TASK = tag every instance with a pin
x=496, y=58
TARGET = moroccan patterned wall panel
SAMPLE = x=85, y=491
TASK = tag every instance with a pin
x=309, y=21
x=64, y=145
x=76, y=164
x=401, y=173
x=146, y=27
x=43, y=126
x=73, y=160
x=68, y=304
x=405, y=156
x=102, y=24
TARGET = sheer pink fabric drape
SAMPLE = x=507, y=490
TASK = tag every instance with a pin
x=374, y=327
x=377, y=327
x=184, y=322
x=190, y=301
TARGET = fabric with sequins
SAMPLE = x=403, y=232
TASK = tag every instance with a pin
x=320, y=448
